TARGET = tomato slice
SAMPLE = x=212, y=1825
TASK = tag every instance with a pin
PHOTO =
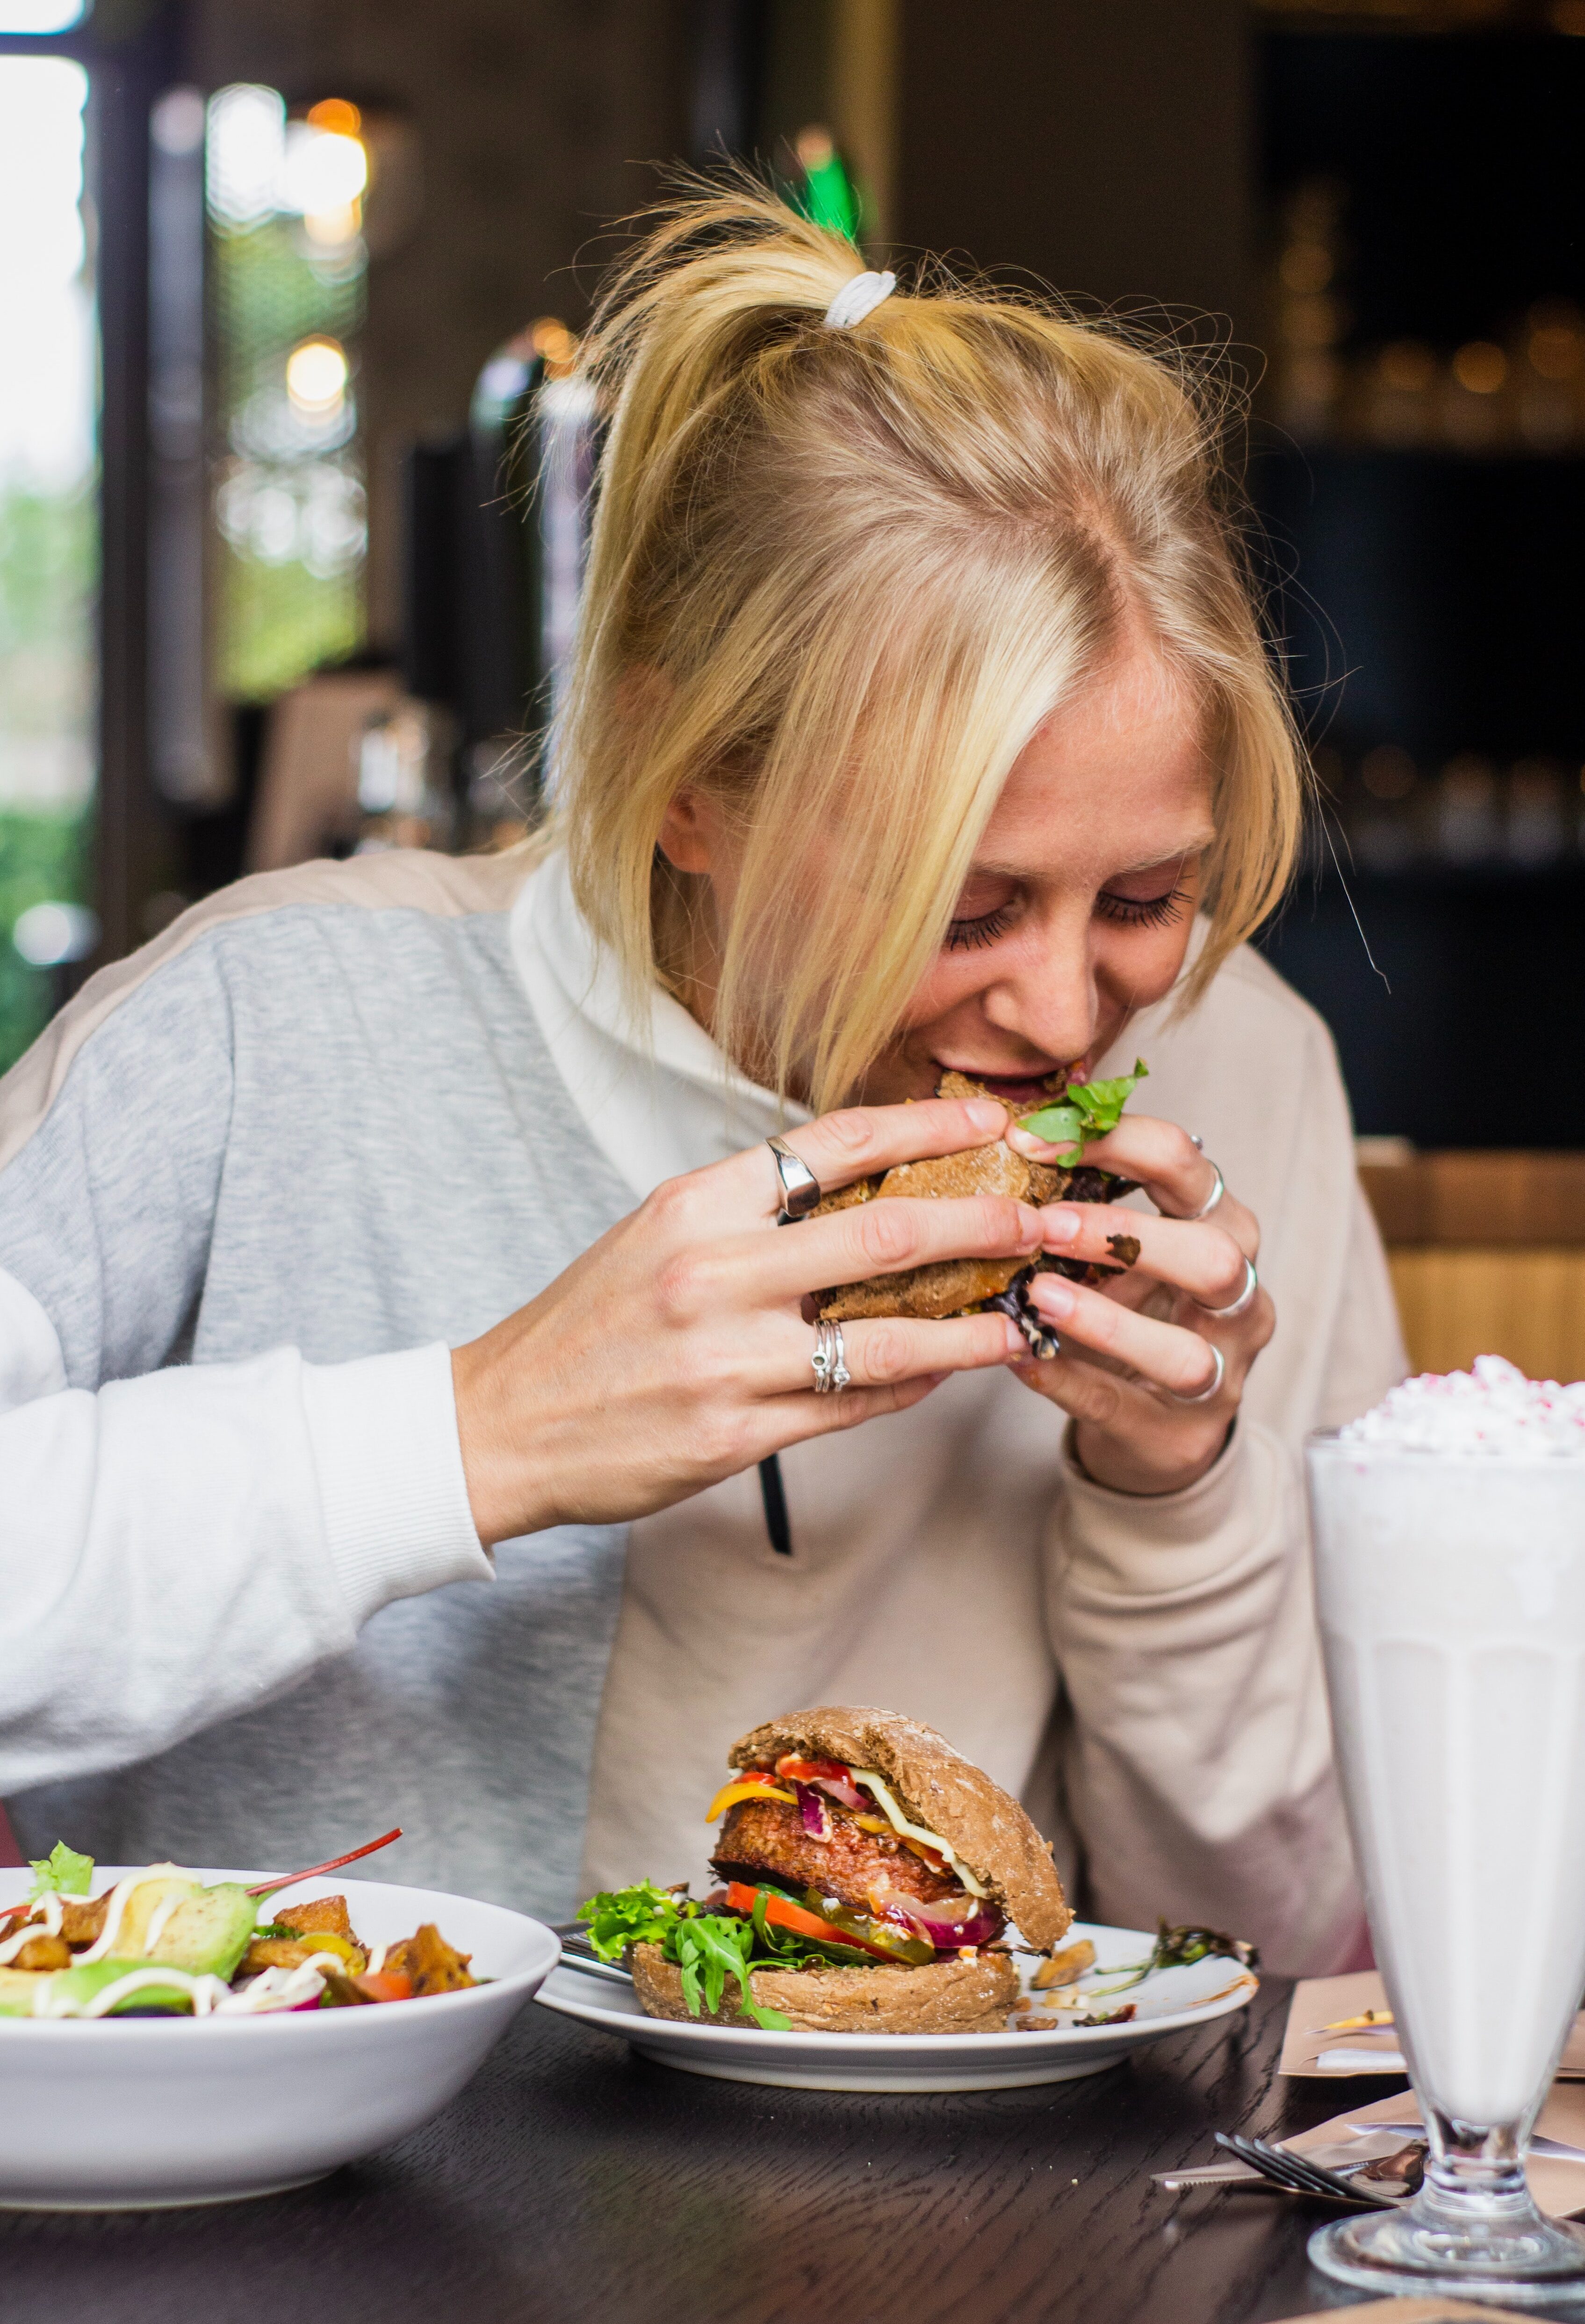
x=385, y=1985
x=810, y=1771
x=781, y=1912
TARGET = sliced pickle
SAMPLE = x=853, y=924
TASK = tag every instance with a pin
x=915, y=1952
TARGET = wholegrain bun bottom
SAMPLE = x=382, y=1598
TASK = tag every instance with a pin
x=950, y=1997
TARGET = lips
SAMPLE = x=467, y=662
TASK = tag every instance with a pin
x=1018, y=1090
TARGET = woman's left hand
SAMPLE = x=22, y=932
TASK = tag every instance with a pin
x=1149, y=1336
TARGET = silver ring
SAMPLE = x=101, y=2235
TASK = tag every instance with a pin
x=1211, y=1201
x=1213, y=1388
x=1214, y=1384
x=1242, y=1304
x=830, y=1359
x=1197, y=1143
x=800, y=1189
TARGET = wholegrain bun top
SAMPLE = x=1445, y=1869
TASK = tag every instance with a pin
x=937, y=1788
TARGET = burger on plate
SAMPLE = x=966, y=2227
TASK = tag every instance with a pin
x=1074, y=1113
x=869, y=1875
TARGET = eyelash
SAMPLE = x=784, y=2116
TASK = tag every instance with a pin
x=1147, y=912
x=969, y=936
x=1126, y=911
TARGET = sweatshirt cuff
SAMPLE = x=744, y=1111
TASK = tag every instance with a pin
x=1138, y=1545
x=395, y=1501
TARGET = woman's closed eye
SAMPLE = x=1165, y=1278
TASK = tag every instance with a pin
x=1141, y=911
x=968, y=933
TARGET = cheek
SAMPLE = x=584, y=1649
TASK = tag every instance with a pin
x=1143, y=962
x=951, y=979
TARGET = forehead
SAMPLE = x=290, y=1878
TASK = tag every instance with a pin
x=1119, y=776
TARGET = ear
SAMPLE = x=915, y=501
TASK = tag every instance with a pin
x=688, y=832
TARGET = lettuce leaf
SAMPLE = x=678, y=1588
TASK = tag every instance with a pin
x=62, y=1873
x=1085, y=1109
x=707, y=1948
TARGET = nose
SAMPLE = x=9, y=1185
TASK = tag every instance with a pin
x=1046, y=995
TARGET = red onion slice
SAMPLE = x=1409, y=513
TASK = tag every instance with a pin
x=812, y=1813
x=977, y=1927
x=845, y=1794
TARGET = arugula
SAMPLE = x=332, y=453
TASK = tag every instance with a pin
x=62, y=1873
x=1176, y=1949
x=707, y=1948
x=1084, y=1111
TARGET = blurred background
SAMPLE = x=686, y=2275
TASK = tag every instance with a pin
x=294, y=471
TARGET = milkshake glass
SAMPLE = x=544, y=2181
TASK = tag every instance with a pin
x=1449, y=1582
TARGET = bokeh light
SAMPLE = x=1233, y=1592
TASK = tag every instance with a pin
x=317, y=374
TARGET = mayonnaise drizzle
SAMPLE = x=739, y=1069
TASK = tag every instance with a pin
x=204, y=1992
x=899, y=1822
x=104, y=1944
x=48, y=1926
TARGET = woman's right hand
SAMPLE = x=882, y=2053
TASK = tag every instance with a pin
x=674, y=1352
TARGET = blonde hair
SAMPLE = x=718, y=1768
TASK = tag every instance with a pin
x=837, y=580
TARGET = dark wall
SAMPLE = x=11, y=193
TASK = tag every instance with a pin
x=1108, y=145
x=535, y=121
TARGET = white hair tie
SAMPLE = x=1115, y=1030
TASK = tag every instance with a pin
x=859, y=296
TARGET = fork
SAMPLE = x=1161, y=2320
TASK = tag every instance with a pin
x=578, y=1953
x=1284, y=2169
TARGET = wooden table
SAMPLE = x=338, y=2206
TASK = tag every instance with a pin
x=571, y=2183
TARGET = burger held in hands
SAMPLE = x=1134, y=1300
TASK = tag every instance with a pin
x=871, y=1880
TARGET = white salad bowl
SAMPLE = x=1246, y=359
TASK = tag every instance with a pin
x=145, y=2113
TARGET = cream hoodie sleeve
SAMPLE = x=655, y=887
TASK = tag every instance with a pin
x=1197, y=1754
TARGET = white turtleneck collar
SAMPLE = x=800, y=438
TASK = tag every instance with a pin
x=658, y=1098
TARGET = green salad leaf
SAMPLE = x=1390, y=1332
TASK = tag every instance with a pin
x=62, y=1873
x=707, y=1948
x=1084, y=1111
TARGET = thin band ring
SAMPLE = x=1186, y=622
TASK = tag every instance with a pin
x=1212, y=1386
x=1242, y=1304
x=1211, y=1201
x=800, y=1189
x=830, y=1359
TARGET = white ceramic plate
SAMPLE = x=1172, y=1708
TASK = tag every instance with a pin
x=1165, y=2002
x=114, y=2113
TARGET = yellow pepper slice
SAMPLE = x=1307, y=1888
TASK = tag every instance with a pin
x=731, y=1793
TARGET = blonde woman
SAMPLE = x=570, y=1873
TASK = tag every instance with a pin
x=393, y=1316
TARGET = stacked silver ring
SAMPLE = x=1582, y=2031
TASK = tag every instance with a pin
x=830, y=1361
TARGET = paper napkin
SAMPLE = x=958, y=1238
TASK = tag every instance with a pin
x=1555, y=2165
x=1418, y=2312
x=1320, y=2041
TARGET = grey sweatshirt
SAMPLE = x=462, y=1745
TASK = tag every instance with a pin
x=257, y=1181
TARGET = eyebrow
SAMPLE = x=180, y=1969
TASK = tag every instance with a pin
x=1194, y=845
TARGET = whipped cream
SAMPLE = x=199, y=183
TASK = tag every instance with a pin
x=1493, y=1408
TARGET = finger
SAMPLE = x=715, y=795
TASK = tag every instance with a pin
x=861, y=1139
x=888, y=1350
x=1165, y=1354
x=793, y=1419
x=879, y=1238
x=1202, y=1258
x=1166, y=1162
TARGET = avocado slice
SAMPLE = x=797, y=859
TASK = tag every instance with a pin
x=206, y=1933
x=70, y=1989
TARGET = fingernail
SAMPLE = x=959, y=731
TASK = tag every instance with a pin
x=1031, y=1227
x=1061, y=1223
x=985, y=1113
x=1052, y=1296
x=1016, y=1344
x=1035, y=1149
